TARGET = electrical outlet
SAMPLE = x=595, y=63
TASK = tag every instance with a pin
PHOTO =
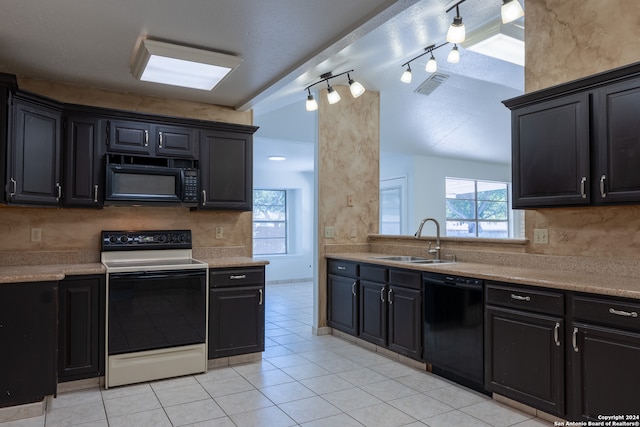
x=36, y=234
x=329, y=233
x=541, y=236
x=219, y=233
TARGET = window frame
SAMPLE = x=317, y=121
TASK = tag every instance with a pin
x=285, y=221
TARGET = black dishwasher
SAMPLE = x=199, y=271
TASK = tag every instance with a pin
x=453, y=328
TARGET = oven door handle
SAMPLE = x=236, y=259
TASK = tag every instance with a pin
x=157, y=274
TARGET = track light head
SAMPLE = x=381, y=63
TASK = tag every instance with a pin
x=432, y=65
x=312, y=104
x=406, y=75
x=454, y=55
x=355, y=87
x=456, y=33
x=332, y=96
x=510, y=11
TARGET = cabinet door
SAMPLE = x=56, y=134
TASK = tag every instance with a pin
x=405, y=321
x=28, y=337
x=617, y=142
x=373, y=312
x=236, y=321
x=550, y=149
x=81, y=327
x=524, y=358
x=605, y=372
x=83, y=163
x=129, y=137
x=342, y=303
x=35, y=154
x=226, y=170
x=176, y=141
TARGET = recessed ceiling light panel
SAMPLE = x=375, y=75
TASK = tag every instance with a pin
x=184, y=66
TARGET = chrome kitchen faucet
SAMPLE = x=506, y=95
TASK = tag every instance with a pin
x=435, y=251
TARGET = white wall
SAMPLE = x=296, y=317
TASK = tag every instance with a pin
x=426, y=181
x=297, y=265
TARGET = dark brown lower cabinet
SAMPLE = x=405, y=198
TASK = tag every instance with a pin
x=405, y=321
x=342, y=296
x=81, y=320
x=524, y=346
x=28, y=313
x=604, y=355
x=236, y=312
x=373, y=312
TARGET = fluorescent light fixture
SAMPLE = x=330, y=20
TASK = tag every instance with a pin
x=277, y=158
x=184, y=66
x=501, y=41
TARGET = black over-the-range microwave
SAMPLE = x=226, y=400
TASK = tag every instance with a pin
x=136, y=184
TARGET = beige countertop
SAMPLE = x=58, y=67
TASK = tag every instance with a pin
x=604, y=284
x=54, y=272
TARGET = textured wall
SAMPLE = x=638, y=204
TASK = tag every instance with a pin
x=79, y=229
x=566, y=40
x=348, y=165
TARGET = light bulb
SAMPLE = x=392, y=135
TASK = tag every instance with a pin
x=312, y=105
x=432, y=65
x=406, y=75
x=510, y=11
x=456, y=33
x=454, y=55
x=332, y=95
x=356, y=88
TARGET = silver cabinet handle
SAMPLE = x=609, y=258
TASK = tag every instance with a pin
x=602, y=192
x=583, y=183
x=389, y=296
x=59, y=188
x=556, y=332
x=342, y=268
x=353, y=289
x=160, y=142
x=146, y=138
x=238, y=277
x=520, y=297
x=382, y=294
x=261, y=300
x=95, y=193
x=14, y=187
x=575, y=339
x=204, y=197
x=623, y=313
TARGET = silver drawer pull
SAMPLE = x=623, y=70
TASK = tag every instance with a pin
x=575, y=339
x=204, y=197
x=389, y=296
x=261, y=300
x=353, y=289
x=520, y=297
x=341, y=268
x=583, y=191
x=160, y=144
x=95, y=193
x=14, y=187
x=146, y=138
x=382, y=295
x=623, y=313
x=239, y=277
x=59, y=191
x=556, y=334
x=602, y=192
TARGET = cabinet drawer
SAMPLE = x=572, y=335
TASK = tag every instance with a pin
x=524, y=298
x=342, y=268
x=236, y=277
x=373, y=273
x=408, y=279
x=609, y=312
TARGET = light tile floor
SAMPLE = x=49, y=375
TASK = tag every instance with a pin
x=302, y=380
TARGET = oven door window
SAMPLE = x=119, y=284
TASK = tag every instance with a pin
x=154, y=310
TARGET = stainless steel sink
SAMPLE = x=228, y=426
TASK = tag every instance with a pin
x=413, y=259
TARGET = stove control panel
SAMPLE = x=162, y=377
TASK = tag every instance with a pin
x=145, y=240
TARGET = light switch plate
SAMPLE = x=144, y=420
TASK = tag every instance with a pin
x=219, y=232
x=36, y=234
x=541, y=236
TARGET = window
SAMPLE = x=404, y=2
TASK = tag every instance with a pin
x=477, y=208
x=269, y=222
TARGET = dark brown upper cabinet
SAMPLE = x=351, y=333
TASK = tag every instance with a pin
x=147, y=139
x=33, y=152
x=226, y=170
x=578, y=143
x=83, y=168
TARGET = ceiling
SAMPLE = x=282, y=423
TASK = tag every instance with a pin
x=285, y=45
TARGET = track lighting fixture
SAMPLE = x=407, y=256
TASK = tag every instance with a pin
x=312, y=105
x=454, y=55
x=456, y=33
x=406, y=76
x=332, y=96
x=510, y=11
x=432, y=65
